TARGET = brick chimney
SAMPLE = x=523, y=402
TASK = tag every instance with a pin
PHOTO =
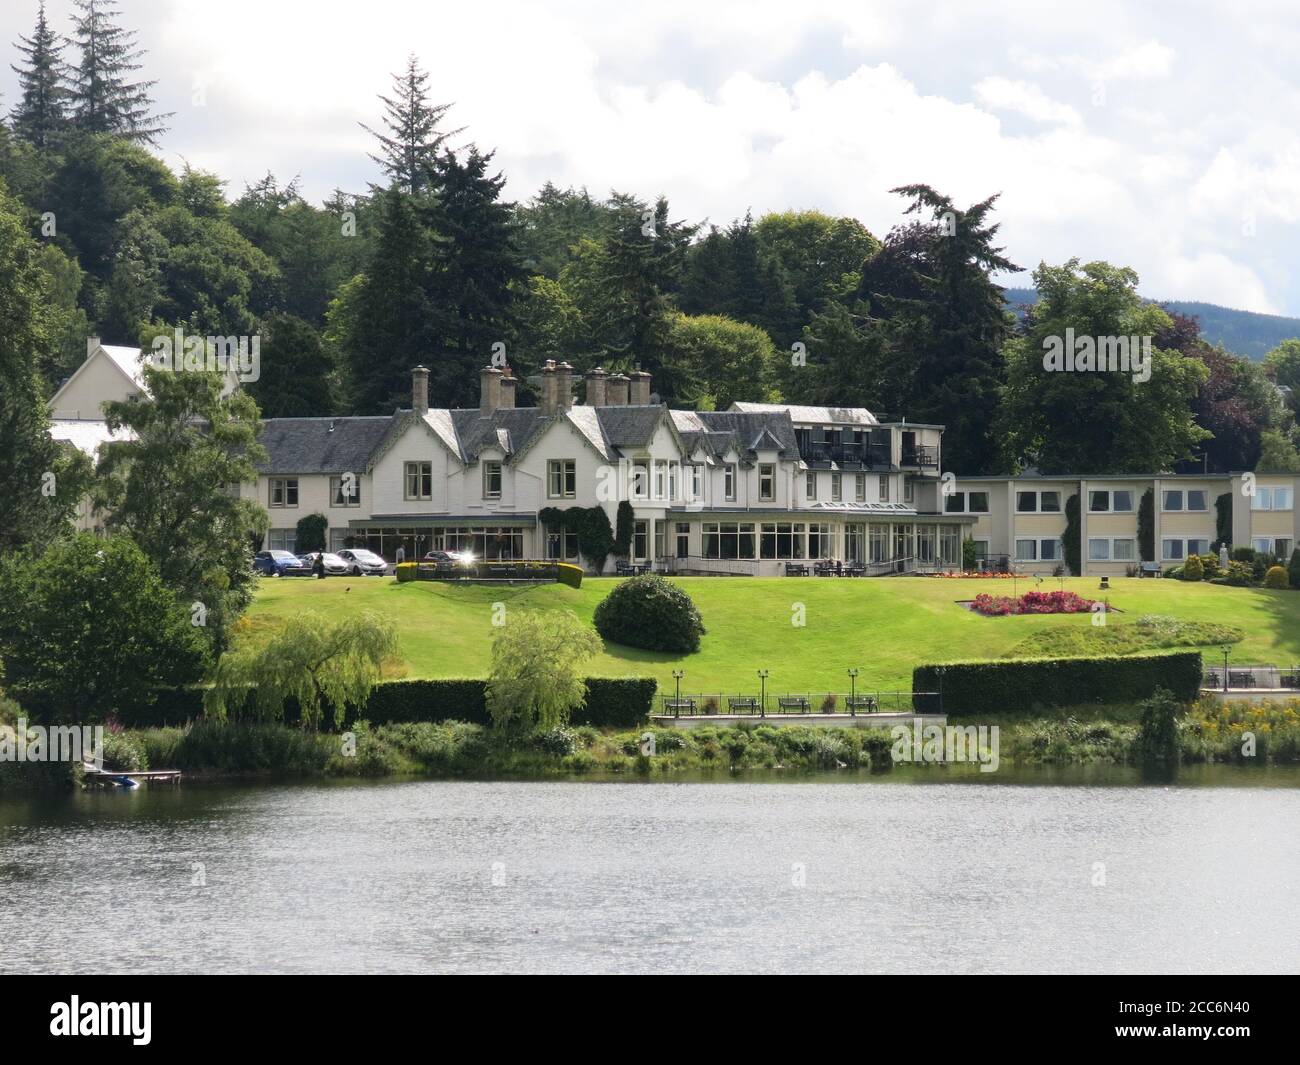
x=563, y=387
x=420, y=390
x=616, y=390
x=596, y=380
x=547, y=398
x=640, y=389
x=489, y=390
x=508, y=384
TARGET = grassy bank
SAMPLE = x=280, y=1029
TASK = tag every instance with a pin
x=1208, y=733
x=883, y=627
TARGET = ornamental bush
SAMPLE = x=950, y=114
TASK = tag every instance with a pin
x=1276, y=578
x=1192, y=569
x=651, y=613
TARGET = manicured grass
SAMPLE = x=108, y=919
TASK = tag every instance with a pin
x=882, y=626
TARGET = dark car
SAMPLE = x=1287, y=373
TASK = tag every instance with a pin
x=446, y=558
x=363, y=563
x=280, y=564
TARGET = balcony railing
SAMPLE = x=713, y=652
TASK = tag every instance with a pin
x=922, y=455
x=850, y=456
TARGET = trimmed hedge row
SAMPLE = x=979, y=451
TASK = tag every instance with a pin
x=612, y=702
x=1014, y=684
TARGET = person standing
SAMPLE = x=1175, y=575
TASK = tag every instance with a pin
x=401, y=553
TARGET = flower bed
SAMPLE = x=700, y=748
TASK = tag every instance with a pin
x=1061, y=602
x=975, y=575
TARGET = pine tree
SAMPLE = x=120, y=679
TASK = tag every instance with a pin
x=103, y=100
x=410, y=148
x=42, y=109
x=477, y=265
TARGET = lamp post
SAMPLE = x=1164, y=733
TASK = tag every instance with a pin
x=677, y=708
x=1227, y=650
x=763, y=674
x=853, y=693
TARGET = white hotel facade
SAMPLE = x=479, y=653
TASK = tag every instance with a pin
x=748, y=490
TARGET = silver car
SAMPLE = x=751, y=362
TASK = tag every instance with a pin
x=363, y=563
x=334, y=566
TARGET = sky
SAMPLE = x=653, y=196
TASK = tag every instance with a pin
x=1159, y=135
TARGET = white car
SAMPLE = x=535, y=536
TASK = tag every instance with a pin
x=334, y=566
x=363, y=563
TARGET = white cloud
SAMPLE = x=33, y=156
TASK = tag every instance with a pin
x=1022, y=97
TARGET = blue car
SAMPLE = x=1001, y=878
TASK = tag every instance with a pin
x=280, y=564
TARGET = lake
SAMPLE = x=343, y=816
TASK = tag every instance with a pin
x=1081, y=870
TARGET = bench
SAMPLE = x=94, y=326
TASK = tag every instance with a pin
x=742, y=702
x=793, y=702
x=861, y=702
x=794, y=570
x=676, y=706
x=1243, y=679
x=1149, y=569
x=630, y=569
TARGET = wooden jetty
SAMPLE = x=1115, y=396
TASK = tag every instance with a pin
x=114, y=778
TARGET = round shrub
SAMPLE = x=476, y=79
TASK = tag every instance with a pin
x=1276, y=578
x=1193, y=570
x=650, y=613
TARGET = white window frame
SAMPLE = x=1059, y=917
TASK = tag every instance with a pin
x=488, y=467
x=558, y=474
x=419, y=470
x=860, y=487
x=284, y=485
x=810, y=485
x=767, y=472
x=729, y=482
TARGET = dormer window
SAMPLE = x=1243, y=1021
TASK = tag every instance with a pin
x=767, y=481
x=729, y=483
x=491, y=480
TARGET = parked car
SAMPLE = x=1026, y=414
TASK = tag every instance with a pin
x=334, y=566
x=449, y=558
x=363, y=563
x=280, y=564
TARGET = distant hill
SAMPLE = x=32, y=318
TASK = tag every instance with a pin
x=1241, y=332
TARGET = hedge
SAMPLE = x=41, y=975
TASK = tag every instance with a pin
x=612, y=702
x=565, y=572
x=1014, y=684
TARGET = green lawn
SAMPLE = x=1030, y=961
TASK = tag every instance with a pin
x=882, y=626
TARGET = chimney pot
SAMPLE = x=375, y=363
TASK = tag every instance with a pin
x=563, y=387
x=640, y=389
x=508, y=384
x=420, y=390
x=548, y=398
x=616, y=390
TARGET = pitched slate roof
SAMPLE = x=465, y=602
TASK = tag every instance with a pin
x=321, y=445
x=629, y=426
x=475, y=432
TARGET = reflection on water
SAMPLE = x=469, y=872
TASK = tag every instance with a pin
x=842, y=872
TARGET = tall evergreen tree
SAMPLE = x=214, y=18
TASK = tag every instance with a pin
x=42, y=109
x=103, y=99
x=409, y=150
x=477, y=264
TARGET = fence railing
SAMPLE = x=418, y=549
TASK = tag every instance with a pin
x=1251, y=678
x=676, y=564
x=759, y=705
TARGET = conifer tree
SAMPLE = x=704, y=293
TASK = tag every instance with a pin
x=103, y=99
x=42, y=109
x=408, y=151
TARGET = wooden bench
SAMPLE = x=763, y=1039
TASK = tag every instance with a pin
x=793, y=569
x=854, y=703
x=676, y=706
x=742, y=702
x=793, y=702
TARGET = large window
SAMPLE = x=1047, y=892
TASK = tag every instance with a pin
x=1035, y=502
x=1119, y=501
x=782, y=540
x=966, y=503
x=345, y=491
x=561, y=479
x=561, y=543
x=280, y=539
x=491, y=480
x=1271, y=499
x=283, y=492
x=483, y=541
x=1279, y=546
x=683, y=539
x=1038, y=550
x=821, y=541
x=1176, y=549
x=878, y=543
x=728, y=539
x=1110, y=549
x=949, y=545
x=925, y=544
x=1176, y=499
x=419, y=480
x=641, y=539
x=854, y=543
x=766, y=481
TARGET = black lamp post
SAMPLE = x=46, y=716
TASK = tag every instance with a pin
x=1227, y=650
x=762, y=698
x=853, y=693
x=677, y=676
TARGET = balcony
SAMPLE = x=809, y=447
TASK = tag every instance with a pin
x=921, y=456
x=848, y=456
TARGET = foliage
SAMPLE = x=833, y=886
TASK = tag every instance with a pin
x=1223, y=518
x=1148, y=633
x=625, y=526
x=969, y=555
x=103, y=100
x=1146, y=526
x=1192, y=569
x=535, y=681
x=42, y=110
x=1072, y=537
x=717, y=360
x=1276, y=577
x=1293, y=568
x=298, y=374
x=41, y=482
x=322, y=666
x=88, y=629
x=310, y=533
x=652, y=613
x=408, y=152
x=1013, y=684
x=1059, y=602
x=167, y=488
x=1157, y=739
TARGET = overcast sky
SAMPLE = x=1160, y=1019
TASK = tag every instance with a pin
x=1160, y=135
